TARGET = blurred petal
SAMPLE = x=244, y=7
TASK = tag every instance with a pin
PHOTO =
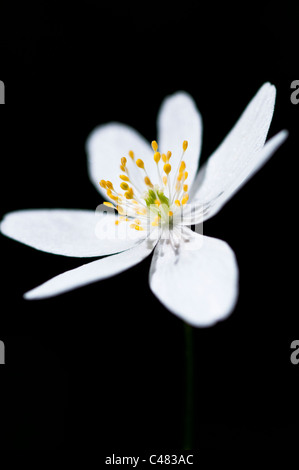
x=199, y=283
x=78, y=233
x=239, y=155
x=107, y=144
x=179, y=120
x=92, y=272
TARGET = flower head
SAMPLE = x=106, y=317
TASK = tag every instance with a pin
x=157, y=193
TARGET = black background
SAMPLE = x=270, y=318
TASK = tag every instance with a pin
x=102, y=367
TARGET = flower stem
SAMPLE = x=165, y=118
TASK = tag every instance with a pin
x=189, y=389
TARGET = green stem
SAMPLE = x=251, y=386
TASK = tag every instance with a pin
x=189, y=389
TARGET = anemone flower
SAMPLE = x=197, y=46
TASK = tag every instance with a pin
x=159, y=194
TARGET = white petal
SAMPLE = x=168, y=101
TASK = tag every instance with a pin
x=238, y=157
x=78, y=233
x=199, y=210
x=179, y=120
x=107, y=144
x=200, y=283
x=92, y=272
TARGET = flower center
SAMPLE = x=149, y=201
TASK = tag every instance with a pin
x=159, y=204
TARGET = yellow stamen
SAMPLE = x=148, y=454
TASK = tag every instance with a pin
x=121, y=210
x=123, y=161
x=131, y=154
x=103, y=184
x=129, y=194
x=177, y=202
x=108, y=204
x=148, y=181
x=157, y=157
x=164, y=158
x=180, y=176
x=140, y=163
x=158, y=202
x=109, y=184
x=185, y=188
x=136, y=227
x=165, y=180
x=168, y=155
x=155, y=222
x=182, y=167
x=122, y=167
x=185, y=175
x=167, y=168
x=185, y=145
x=185, y=199
x=141, y=211
x=124, y=178
x=124, y=186
x=170, y=213
x=154, y=146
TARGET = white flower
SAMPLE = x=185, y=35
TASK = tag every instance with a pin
x=194, y=276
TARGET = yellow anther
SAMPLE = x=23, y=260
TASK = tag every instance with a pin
x=148, y=181
x=168, y=155
x=167, y=168
x=122, y=168
x=136, y=227
x=180, y=176
x=131, y=154
x=185, y=188
x=185, y=175
x=109, y=185
x=140, y=163
x=154, y=146
x=185, y=199
x=124, y=177
x=115, y=198
x=158, y=202
x=137, y=221
x=185, y=145
x=120, y=210
x=157, y=157
x=164, y=180
x=109, y=193
x=117, y=222
x=182, y=167
x=124, y=186
x=141, y=211
x=164, y=158
x=108, y=204
x=170, y=213
x=155, y=222
x=103, y=184
x=129, y=194
x=177, y=202
x=123, y=161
